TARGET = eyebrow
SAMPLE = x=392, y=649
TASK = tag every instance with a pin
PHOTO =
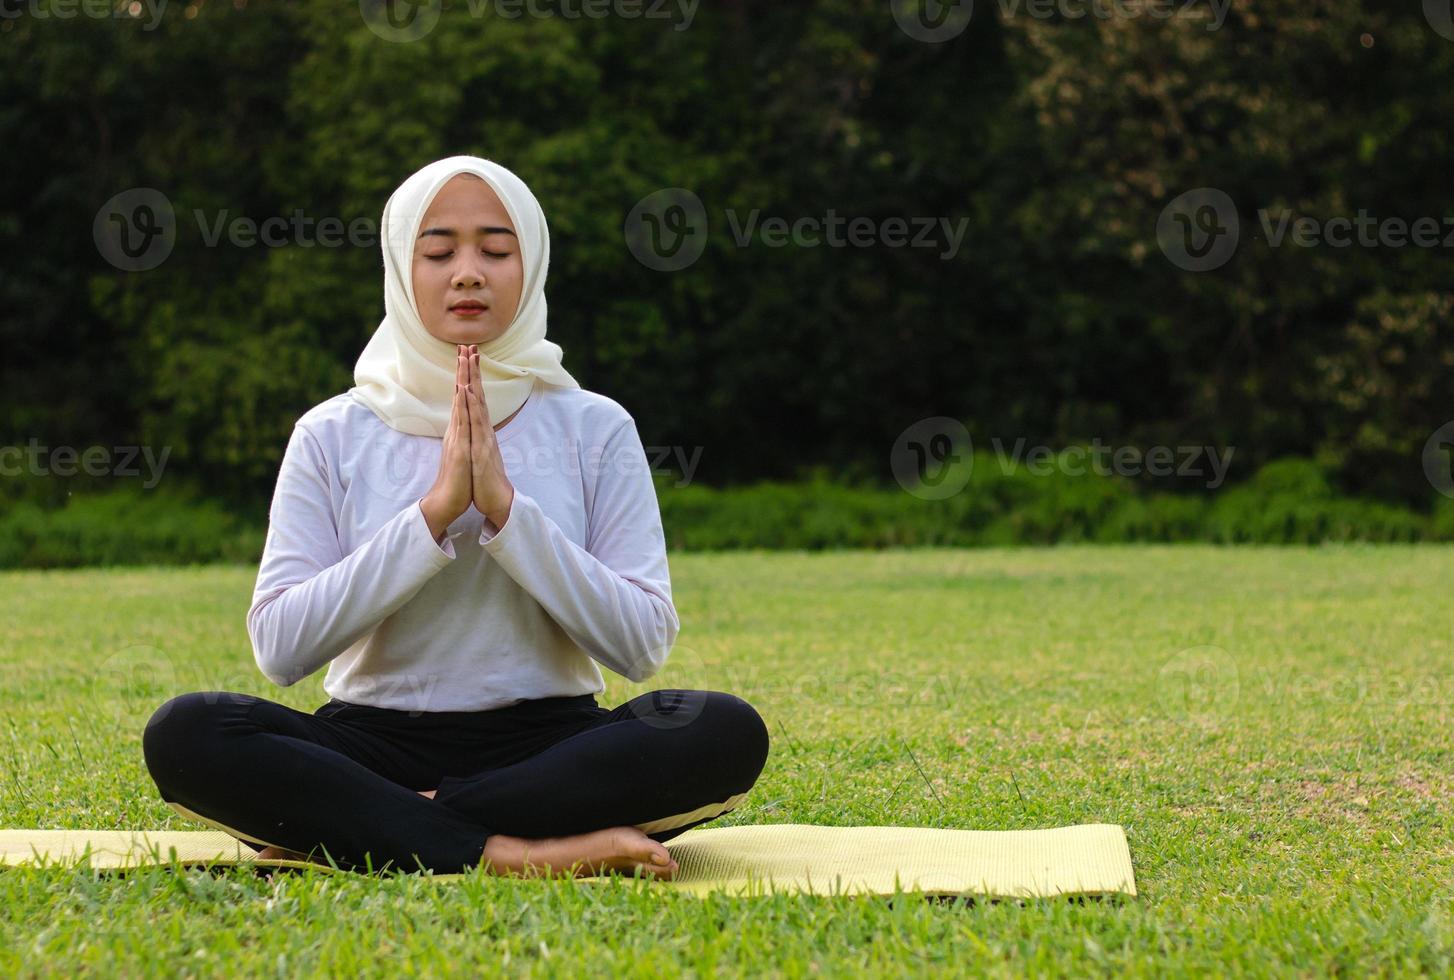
x=451, y=233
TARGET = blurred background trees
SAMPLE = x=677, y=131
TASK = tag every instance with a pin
x=1060, y=141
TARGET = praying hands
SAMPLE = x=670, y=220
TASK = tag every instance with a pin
x=470, y=467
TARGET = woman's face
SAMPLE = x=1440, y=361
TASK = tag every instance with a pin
x=467, y=268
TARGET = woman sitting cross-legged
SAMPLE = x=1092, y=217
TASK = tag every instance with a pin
x=462, y=538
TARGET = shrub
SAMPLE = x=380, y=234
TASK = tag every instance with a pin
x=129, y=526
x=1289, y=501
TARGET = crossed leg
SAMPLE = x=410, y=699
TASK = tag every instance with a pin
x=287, y=781
x=662, y=762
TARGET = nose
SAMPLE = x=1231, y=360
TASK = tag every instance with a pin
x=469, y=274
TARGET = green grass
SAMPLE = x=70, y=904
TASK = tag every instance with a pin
x=1271, y=726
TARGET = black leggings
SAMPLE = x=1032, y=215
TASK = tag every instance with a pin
x=342, y=781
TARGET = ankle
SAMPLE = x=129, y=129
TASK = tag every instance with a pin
x=504, y=854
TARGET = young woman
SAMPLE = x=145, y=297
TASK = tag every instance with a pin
x=462, y=539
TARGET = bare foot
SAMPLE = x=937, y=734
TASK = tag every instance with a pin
x=581, y=855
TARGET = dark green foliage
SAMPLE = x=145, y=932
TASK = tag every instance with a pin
x=1287, y=502
x=125, y=527
x=1058, y=320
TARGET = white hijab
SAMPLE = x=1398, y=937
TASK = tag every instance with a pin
x=406, y=374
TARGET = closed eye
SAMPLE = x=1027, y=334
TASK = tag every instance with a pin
x=444, y=255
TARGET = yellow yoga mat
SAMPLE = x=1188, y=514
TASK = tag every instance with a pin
x=1092, y=859
x=756, y=859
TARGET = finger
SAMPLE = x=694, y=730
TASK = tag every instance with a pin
x=477, y=421
x=454, y=399
x=458, y=417
x=479, y=383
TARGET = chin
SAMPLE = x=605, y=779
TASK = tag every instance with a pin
x=454, y=331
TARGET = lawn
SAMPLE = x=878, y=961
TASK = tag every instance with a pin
x=1271, y=726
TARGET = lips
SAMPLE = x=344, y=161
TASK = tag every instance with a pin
x=469, y=306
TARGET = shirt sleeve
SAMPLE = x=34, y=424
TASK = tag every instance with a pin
x=312, y=602
x=612, y=597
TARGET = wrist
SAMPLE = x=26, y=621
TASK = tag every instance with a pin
x=498, y=516
x=434, y=517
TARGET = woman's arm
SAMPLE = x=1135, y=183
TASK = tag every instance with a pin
x=311, y=603
x=612, y=597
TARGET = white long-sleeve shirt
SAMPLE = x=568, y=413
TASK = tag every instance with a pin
x=352, y=578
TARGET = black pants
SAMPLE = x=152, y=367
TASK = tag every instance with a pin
x=342, y=781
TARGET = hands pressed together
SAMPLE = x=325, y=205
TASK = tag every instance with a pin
x=470, y=467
